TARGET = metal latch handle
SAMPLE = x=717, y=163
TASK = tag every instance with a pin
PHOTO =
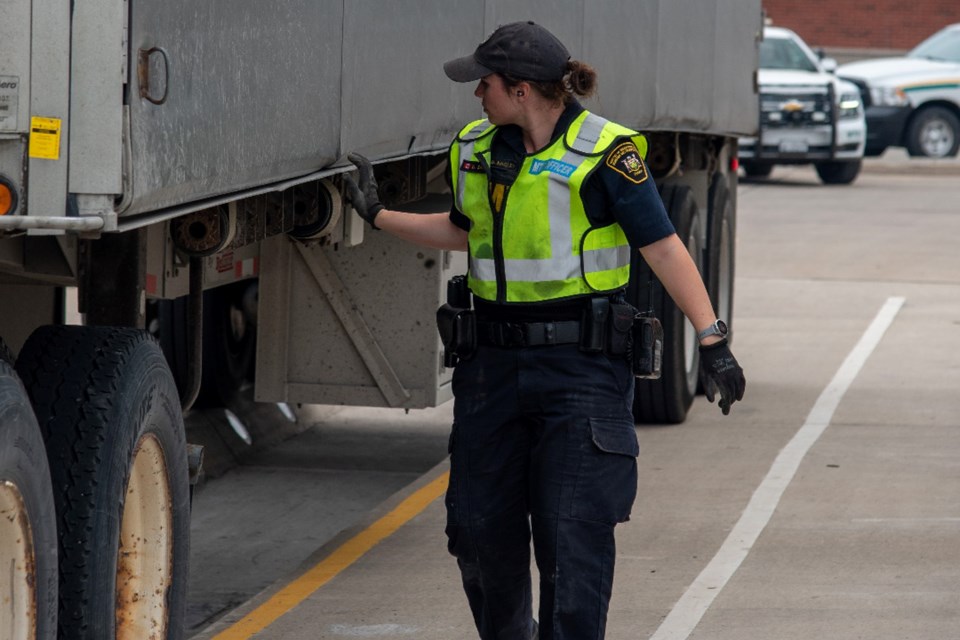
x=143, y=74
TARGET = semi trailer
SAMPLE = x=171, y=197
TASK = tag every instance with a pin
x=179, y=165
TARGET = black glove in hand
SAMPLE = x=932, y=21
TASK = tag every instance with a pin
x=720, y=372
x=363, y=196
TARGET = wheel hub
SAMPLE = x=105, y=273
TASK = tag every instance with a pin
x=18, y=605
x=937, y=138
x=145, y=560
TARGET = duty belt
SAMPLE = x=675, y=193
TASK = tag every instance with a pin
x=528, y=334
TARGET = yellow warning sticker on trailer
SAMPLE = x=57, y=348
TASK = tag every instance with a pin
x=45, y=138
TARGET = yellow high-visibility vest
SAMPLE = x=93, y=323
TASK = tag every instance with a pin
x=543, y=246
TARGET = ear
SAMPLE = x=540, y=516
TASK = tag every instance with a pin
x=521, y=90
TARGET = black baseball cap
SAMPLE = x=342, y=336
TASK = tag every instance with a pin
x=522, y=50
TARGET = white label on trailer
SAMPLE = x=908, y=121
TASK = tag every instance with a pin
x=9, y=99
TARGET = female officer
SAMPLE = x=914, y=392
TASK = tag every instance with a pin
x=548, y=201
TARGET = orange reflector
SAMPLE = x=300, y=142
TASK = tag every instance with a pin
x=6, y=199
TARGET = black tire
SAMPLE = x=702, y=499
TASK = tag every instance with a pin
x=667, y=400
x=838, y=171
x=110, y=416
x=933, y=132
x=229, y=343
x=721, y=251
x=28, y=525
x=757, y=169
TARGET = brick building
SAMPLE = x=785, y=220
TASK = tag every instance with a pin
x=862, y=28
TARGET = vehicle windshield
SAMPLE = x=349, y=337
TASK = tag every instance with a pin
x=943, y=45
x=784, y=53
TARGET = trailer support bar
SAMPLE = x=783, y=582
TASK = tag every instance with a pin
x=358, y=331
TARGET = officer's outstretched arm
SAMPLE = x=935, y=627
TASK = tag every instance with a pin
x=431, y=229
x=719, y=370
x=427, y=229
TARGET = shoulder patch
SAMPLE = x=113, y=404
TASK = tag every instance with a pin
x=625, y=159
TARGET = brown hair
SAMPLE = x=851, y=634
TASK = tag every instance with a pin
x=580, y=79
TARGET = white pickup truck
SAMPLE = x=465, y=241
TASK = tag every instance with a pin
x=913, y=101
x=807, y=114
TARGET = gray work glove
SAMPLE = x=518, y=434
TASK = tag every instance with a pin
x=720, y=372
x=363, y=196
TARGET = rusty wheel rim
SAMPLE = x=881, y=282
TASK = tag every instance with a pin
x=145, y=559
x=18, y=603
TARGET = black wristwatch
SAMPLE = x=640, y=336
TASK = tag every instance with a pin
x=718, y=328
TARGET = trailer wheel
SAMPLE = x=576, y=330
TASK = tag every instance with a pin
x=229, y=342
x=110, y=416
x=933, y=132
x=28, y=526
x=667, y=400
x=838, y=171
x=721, y=251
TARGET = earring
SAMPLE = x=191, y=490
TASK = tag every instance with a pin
x=519, y=93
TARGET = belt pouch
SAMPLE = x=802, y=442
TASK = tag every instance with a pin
x=619, y=333
x=593, y=327
x=458, y=333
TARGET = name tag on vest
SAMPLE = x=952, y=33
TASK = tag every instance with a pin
x=471, y=167
x=553, y=166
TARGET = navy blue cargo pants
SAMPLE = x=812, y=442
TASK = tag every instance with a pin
x=543, y=441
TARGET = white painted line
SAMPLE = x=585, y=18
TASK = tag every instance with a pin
x=691, y=607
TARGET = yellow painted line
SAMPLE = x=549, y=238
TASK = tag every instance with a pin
x=345, y=555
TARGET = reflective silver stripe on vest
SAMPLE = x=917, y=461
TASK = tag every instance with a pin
x=556, y=269
x=564, y=264
x=467, y=143
x=589, y=134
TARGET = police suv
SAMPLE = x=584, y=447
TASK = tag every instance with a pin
x=913, y=101
x=807, y=114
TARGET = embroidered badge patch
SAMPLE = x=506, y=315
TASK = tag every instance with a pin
x=474, y=167
x=626, y=161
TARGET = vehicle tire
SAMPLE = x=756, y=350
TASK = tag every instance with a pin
x=757, y=169
x=229, y=342
x=933, y=132
x=667, y=400
x=110, y=417
x=721, y=251
x=838, y=171
x=28, y=525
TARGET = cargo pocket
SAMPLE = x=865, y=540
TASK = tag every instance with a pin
x=606, y=481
